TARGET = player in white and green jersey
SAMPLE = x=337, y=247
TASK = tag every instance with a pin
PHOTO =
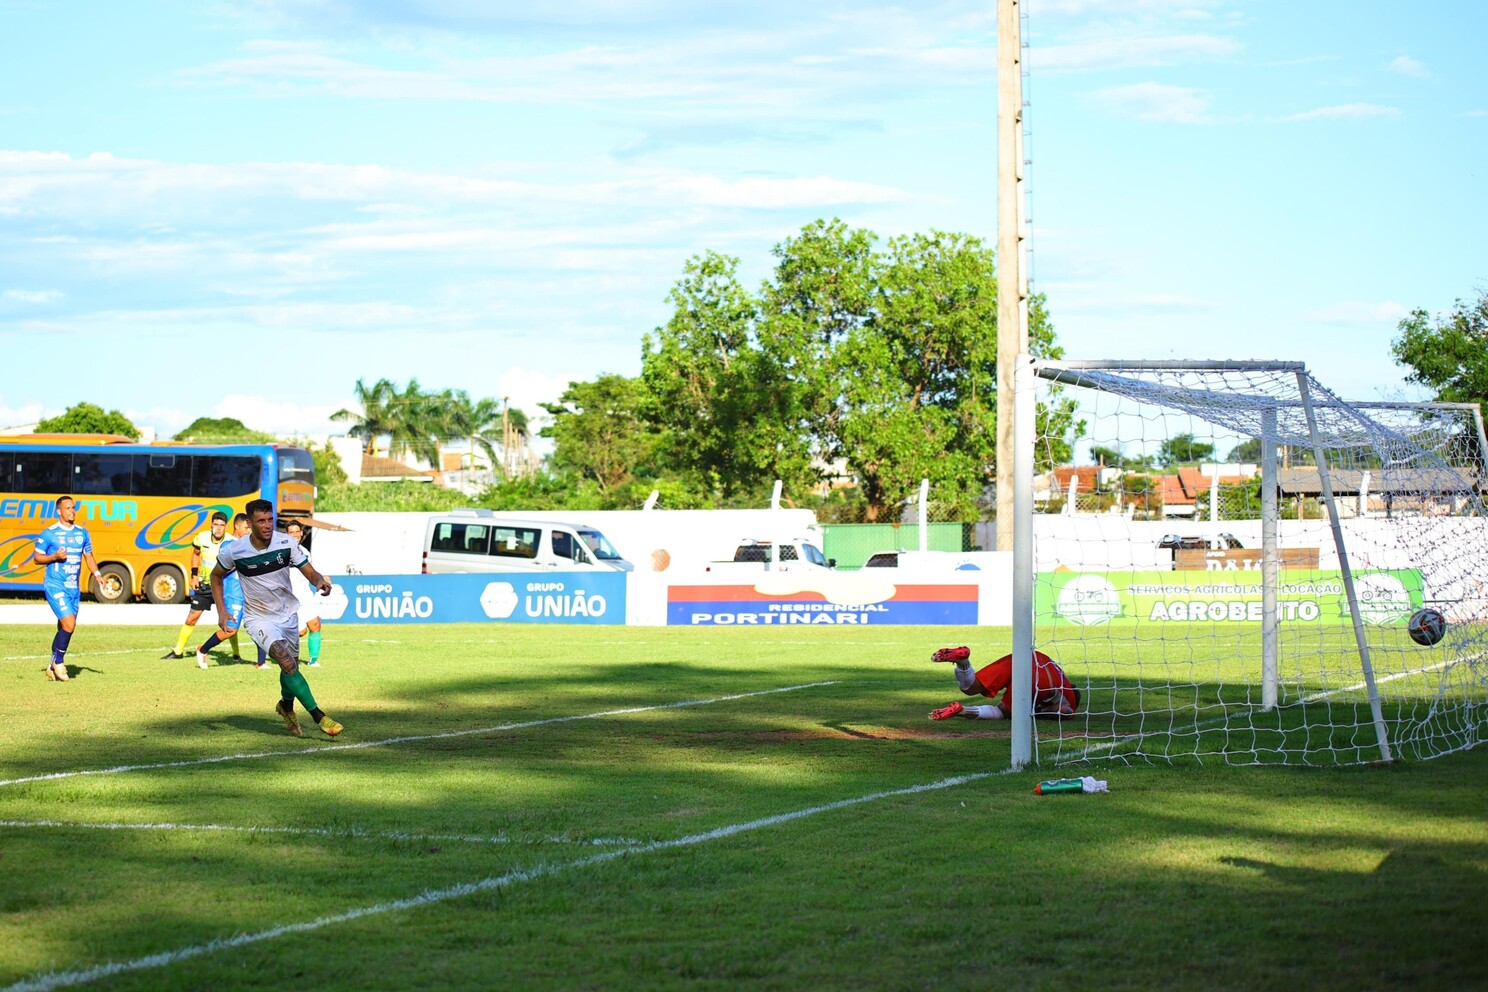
x=263, y=560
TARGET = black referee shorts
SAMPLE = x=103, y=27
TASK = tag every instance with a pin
x=201, y=598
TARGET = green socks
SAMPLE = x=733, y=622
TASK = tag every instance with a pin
x=314, y=642
x=295, y=687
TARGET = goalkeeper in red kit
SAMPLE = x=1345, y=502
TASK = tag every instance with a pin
x=1054, y=695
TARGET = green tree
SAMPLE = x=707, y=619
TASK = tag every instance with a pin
x=1237, y=501
x=722, y=408
x=600, y=435
x=328, y=468
x=915, y=382
x=477, y=422
x=886, y=359
x=86, y=418
x=1449, y=356
x=221, y=430
x=411, y=419
x=420, y=421
x=378, y=415
x=1183, y=449
x=1116, y=458
x=1246, y=452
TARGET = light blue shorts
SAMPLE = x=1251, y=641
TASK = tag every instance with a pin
x=63, y=601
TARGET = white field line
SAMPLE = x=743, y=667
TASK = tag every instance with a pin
x=355, y=833
x=62, y=979
x=73, y=656
x=1316, y=697
x=1319, y=696
x=411, y=738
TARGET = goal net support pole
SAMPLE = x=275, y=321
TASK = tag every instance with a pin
x=1025, y=409
x=1270, y=561
x=1345, y=572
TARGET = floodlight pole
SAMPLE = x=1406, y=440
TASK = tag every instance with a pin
x=1012, y=284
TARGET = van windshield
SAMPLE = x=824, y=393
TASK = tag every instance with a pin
x=600, y=545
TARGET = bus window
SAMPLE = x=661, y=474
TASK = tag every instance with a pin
x=42, y=472
x=162, y=475
x=225, y=476
x=101, y=475
x=7, y=471
x=296, y=465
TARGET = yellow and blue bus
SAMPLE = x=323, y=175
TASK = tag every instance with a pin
x=142, y=503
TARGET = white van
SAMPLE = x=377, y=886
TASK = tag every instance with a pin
x=482, y=541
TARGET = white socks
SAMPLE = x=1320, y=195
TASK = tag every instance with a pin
x=965, y=677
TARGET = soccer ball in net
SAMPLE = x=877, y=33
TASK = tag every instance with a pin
x=1427, y=626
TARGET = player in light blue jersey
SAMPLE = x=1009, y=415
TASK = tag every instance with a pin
x=230, y=610
x=64, y=548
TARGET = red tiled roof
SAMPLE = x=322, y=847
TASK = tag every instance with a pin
x=1172, y=491
x=1087, y=474
x=374, y=467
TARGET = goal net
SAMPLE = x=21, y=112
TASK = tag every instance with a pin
x=1225, y=561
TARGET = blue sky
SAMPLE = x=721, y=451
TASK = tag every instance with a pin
x=497, y=197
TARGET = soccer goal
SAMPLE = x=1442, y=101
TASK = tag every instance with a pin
x=1225, y=558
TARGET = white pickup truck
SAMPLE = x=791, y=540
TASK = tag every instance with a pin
x=794, y=555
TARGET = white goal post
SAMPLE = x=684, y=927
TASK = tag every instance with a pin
x=1268, y=627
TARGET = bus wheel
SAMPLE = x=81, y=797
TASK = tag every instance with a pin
x=164, y=584
x=115, y=585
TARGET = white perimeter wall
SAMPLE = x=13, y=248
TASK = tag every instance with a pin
x=653, y=540
x=669, y=547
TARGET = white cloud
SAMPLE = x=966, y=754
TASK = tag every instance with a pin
x=1386, y=312
x=824, y=61
x=1132, y=52
x=1407, y=66
x=1091, y=8
x=1345, y=112
x=526, y=389
x=32, y=295
x=1156, y=102
x=24, y=415
x=98, y=185
x=277, y=415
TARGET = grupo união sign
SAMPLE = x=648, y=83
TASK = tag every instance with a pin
x=508, y=597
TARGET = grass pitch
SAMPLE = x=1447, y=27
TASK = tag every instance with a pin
x=678, y=808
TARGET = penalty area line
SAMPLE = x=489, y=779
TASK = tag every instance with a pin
x=410, y=738
x=63, y=979
x=353, y=833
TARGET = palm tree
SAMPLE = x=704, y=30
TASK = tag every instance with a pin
x=378, y=416
x=480, y=421
x=519, y=435
x=420, y=422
